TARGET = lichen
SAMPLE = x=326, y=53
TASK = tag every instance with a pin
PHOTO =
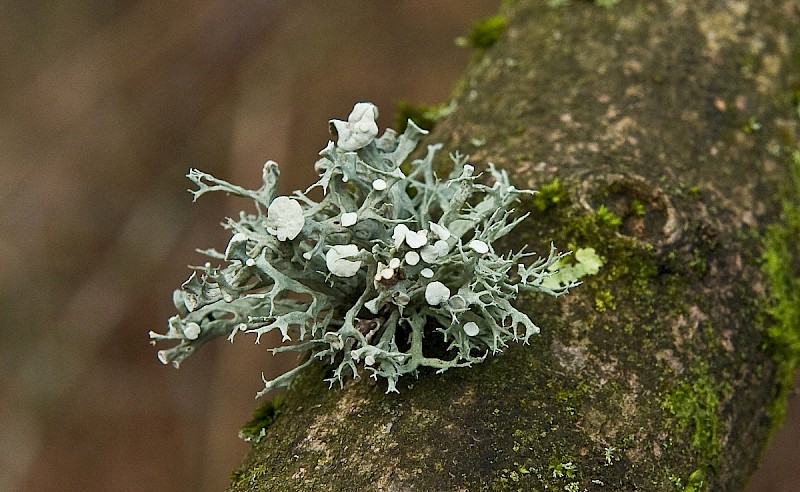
x=565, y=273
x=383, y=261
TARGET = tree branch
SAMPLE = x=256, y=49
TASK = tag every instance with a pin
x=669, y=127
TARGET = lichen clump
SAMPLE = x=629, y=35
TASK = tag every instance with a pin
x=368, y=277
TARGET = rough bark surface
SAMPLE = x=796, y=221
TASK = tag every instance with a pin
x=668, y=126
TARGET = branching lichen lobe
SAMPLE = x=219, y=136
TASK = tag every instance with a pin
x=369, y=275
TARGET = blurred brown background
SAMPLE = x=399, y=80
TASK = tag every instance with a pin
x=104, y=107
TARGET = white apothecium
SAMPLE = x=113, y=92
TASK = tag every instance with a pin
x=359, y=130
x=285, y=218
x=471, y=329
x=336, y=259
x=436, y=293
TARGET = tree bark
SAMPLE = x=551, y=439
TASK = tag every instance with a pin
x=660, y=134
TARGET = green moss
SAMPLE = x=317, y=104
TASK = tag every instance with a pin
x=263, y=417
x=485, y=32
x=607, y=217
x=695, y=405
x=699, y=262
x=782, y=268
x=637, y=208
x=560, y=469
x=549, y=195
x=604, y=300
x=424, y=116
x=628, y=266
x=568, y=394
x=695, y=482
x=630, y=272
x=250, y=476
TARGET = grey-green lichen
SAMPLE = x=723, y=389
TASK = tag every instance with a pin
x=385, y=260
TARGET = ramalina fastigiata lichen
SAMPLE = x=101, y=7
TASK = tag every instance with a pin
x=388, y=260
